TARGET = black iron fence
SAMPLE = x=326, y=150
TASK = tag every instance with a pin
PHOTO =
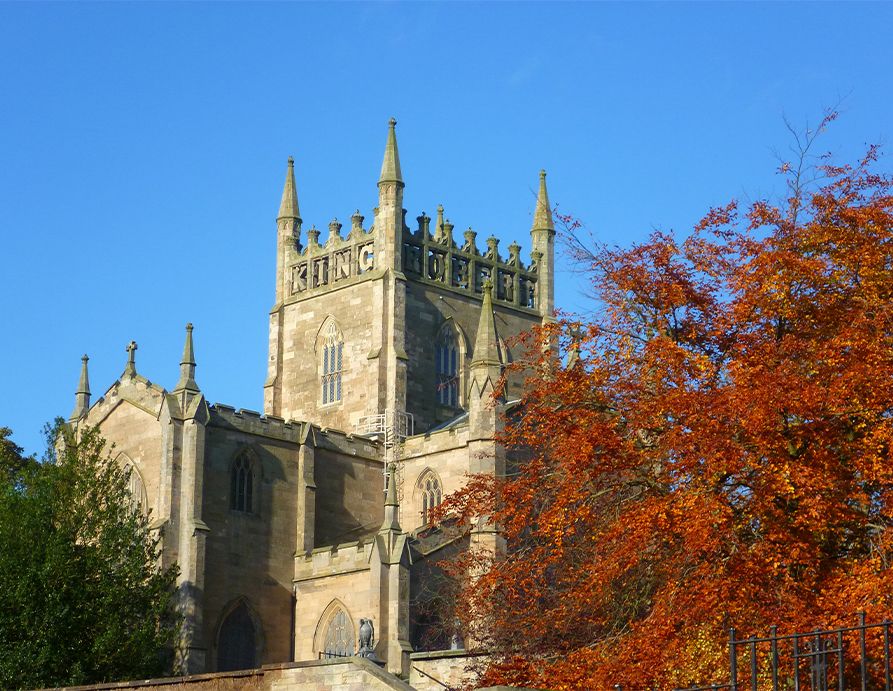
x=848, y=658
x=329, y=654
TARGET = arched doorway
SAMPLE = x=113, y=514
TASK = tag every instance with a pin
x=237, y=641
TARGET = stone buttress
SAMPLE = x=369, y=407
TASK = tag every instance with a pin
x=386, y=348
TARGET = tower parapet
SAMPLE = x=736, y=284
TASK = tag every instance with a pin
x=435, y=259
x=440, y=261
x=336, y=260
x=427, y=255
x=385, y=315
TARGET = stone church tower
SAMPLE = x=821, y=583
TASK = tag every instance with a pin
x=385, y=346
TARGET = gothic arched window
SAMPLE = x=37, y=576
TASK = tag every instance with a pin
x=237, y=641
x=332, y=362
x=430, y=494
x=242, y=484
x=139, y=501
x=338, y=641
x=446, y=365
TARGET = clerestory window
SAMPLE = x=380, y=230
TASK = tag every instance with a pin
x=242, y=484
x=431, y=494
x=447, y=367
x=332, y=363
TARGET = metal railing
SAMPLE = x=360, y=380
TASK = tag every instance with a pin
x=395, y=425
x=326, y=655
x=846, y=659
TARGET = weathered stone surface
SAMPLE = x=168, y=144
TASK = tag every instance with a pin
x=312, y=540
x=347, y=674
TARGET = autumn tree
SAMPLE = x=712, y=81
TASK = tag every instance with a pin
x=82, y=598
x=716, y=452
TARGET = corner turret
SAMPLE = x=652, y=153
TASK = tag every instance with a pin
x=390, y=166
x=187, y=366
x=390, y=578
x=485, y=370
x=391, y=521
x=542, y=235
x=82, y=395
x=389, y=229
x=486, y=343
x=389, y=215
x=288, y=207
x=288, y=231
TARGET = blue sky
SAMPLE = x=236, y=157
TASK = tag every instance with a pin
x=143, y=149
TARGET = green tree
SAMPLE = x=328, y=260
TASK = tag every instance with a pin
x=82, y=596
x=11, y=460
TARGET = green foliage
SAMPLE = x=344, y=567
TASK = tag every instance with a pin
x=11, y=460
x=82, y=598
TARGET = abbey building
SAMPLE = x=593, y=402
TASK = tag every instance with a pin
x=291, y=526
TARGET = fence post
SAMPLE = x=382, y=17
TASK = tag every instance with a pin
x=863, y=662
x=817, y=663
x=733, y=661
x=773, y=634
x=840, y=660
x=753, y=663
x=886, y=655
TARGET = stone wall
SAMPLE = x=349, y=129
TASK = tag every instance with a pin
x=249, y=555
x=331, y=577
x=441, y=669
x=446, y=453
x=427, y=309
x=128, y=418
x=349, y=497
x=346, y=674
x=296, y=343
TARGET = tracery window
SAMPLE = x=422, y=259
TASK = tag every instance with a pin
x=242, y=484
x=339, y=635
x=447, y=367
x=237, y=641
x=431, y=494
x=137, y=489
x=332, y=362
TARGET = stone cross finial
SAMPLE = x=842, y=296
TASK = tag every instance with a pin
x=131, y=358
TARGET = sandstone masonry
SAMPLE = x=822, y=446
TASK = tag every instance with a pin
x=293, y=525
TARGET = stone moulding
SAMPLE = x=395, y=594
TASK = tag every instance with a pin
x=339, y=259
x=435, y=260
x=438, y=260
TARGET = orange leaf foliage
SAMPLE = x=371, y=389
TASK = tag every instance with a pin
x=719, y=455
